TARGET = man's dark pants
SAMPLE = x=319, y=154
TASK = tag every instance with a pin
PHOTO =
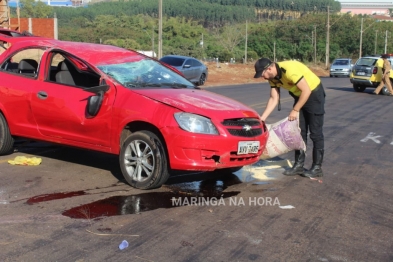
x=311, y=117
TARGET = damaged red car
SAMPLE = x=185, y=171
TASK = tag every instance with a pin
x=118, y=101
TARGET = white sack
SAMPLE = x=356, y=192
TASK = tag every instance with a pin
x=284, y=136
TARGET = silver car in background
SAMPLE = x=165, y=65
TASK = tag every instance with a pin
x=192, y=69
x=341, y=67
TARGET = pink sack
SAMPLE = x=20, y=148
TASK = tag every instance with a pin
x=284, y=136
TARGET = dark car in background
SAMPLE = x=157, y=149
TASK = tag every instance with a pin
x=341, y=67
x=192, y=69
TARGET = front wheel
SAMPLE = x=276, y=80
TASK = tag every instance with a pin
x=358, y=88
x=143, y=160
x=6, y=140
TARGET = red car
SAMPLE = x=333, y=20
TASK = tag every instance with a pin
x=118, y=101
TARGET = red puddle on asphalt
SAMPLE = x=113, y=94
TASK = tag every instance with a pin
x=54, y=196
x=135, y=204
x=183, y=190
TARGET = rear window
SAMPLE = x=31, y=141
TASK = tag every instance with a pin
x=366, y=62
x=15, y=34
x=173, y=61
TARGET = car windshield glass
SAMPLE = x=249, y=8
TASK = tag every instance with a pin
x=173, y=61
x=366, y=62
x=145, y=73
x=341, y=62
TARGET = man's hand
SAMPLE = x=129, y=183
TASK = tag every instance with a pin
x=293, y=115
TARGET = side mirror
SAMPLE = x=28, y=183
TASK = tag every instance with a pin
x=94, y=104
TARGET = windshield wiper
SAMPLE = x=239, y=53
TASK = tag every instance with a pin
x=176, y=85
x=138, y=84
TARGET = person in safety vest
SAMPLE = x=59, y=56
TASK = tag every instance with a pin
x=309, y=106
x=385, y=81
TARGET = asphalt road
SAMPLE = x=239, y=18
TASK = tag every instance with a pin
x=74, y=206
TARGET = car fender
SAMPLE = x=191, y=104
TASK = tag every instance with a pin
x=156, y=116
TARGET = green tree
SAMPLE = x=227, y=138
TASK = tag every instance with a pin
x=33, y=9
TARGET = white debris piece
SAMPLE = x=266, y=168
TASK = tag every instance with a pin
x=286, y=207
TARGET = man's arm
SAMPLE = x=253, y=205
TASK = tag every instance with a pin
x=385, y=69
x=271, y=103
x=306, y=92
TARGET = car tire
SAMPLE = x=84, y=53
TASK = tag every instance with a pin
x=6, y=140
x=331, y=75
x=202, y=80
x=358, y=88
x=385, y=91
x=143, y=160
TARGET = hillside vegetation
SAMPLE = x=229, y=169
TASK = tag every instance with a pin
x=221, y=29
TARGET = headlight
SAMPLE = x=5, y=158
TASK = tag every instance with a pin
x=331, y=69
x=195, y=123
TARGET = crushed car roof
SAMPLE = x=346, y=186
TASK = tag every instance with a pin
x=93, y=53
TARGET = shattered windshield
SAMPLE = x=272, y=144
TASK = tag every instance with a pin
x=145, y=73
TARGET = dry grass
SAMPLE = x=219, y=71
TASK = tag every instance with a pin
x=228, y=74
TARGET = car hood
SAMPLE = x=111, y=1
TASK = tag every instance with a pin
x=200, y=102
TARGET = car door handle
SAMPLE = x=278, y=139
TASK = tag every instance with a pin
x=42, y=95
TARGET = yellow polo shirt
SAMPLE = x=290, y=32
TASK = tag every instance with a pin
x=289, y=73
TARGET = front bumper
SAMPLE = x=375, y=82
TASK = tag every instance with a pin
x=340, y=73
x=198, y=152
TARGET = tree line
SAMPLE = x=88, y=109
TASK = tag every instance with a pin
x=219, y=28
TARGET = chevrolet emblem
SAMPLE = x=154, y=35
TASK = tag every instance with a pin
x=247, y=127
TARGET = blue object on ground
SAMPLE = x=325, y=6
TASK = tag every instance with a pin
x=123, y=245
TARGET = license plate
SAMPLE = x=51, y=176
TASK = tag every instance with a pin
x=248, y=147
x=361, y=73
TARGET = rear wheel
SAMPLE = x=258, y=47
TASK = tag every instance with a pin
x=143, y=160
x=202, y=80
x=385, y=91
x=358, y=88
x=6, y=140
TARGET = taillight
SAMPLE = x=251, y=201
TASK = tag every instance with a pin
x=375, y=70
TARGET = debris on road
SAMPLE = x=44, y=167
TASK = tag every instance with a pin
x=123, y=245
x=25, y=161
x=286, y=207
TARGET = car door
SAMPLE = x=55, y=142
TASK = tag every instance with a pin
x=60, y=111
x=15, y=89
x=187, y=69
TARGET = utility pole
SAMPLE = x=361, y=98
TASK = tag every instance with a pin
x=274, y=51
x=375, y=43
x=245, y=46
x=312, y=45
x=315, y=44
x=152, y=42
x=386, y=40
x=327, y=38
x=159, y=29
x=361, y=37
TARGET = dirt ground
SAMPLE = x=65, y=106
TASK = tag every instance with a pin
x=225, y=73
